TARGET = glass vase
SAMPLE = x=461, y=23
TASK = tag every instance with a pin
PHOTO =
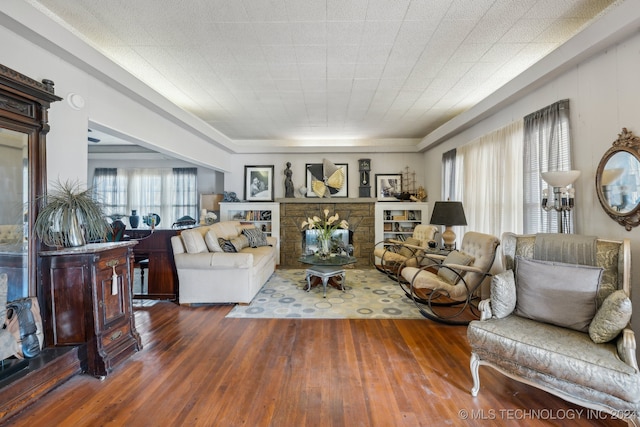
x=324, y=246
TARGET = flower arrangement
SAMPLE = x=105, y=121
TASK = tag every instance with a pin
x=325, y=226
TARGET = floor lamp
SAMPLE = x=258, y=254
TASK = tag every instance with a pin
x=563, y=197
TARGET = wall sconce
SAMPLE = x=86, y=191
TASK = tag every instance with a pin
x=563, y=197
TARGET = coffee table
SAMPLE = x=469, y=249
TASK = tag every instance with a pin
x=325, y=269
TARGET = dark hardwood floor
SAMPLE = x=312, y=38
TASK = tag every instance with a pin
x=198, y=368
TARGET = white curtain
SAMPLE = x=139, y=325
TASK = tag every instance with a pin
x=168, y=192
x=489, y=181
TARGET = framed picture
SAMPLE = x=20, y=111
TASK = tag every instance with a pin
x=342, y=192
x=258, y=183
x=387, y=186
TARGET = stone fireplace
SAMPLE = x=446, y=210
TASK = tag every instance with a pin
x=360, y=213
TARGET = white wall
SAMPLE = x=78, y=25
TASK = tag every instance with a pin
x=381, y=163
x=604, y=94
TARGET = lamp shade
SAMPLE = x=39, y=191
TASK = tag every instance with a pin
x=560, y=178
x=448, y=213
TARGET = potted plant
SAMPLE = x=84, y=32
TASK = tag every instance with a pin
x=70, y=216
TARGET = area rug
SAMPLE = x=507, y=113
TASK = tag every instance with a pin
x=368, y=294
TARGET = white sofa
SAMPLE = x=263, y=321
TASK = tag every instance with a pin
x=207, y=274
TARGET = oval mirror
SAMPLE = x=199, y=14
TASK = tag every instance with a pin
x=618, y=180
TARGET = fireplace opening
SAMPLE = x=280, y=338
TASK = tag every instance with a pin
x=341, y=241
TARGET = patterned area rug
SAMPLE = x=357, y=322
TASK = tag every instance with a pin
x=368, y=294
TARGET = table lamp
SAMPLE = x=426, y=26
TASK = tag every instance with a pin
x=448, y=214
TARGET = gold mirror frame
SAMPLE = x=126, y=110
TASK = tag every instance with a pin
x=617, y=184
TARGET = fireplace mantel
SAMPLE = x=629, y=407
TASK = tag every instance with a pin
x=328, y=200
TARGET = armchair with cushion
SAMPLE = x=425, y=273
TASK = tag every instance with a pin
x=558, y=319
x=390, y=255
x=446, y=288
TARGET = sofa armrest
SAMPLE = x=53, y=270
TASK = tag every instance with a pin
x=485, y=309
x=273, y=241
x=214, y=260
x=627, y=348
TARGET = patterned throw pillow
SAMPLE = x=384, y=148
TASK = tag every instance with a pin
x=226, y=245
x=612, y=317
x=256, y=237
x=503, y=294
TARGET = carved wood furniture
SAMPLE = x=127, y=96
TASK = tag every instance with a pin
x=87, y=292
x=24, y=105
x=156, y=248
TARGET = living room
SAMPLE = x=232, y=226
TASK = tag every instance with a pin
x=596, y=72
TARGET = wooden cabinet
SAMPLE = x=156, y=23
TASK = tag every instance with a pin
x=87, y=303
x=264, y=215
x=396, y=220
x=162, y=273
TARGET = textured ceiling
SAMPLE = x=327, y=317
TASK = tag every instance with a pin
x=325, y=69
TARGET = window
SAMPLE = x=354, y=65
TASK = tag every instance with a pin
x=170, y=193
x=547, y=146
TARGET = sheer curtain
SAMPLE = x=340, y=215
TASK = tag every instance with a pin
x=185, y=196
x=169, y=192
x=547, y=146
x=109, y=186
x=489, y=181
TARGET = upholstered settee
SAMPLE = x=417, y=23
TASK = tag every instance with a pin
x=558, y=319
x=225, y=262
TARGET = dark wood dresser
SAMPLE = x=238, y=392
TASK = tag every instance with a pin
x=87, y=303
x=156, y=247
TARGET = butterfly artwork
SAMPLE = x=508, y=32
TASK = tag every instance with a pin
x=326, y=179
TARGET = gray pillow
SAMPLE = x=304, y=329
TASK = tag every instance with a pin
x=454, y=257
x=503, y=294
x=256, y=237
x=557, y=293
x=612, y=317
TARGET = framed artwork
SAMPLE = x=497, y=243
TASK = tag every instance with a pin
x=315, y=169
x=387, y=186
x=258, y=183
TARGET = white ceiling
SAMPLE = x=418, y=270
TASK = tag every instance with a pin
x=261, y=71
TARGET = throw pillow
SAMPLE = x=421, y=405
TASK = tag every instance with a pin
x=256, y=237
x=503, y=294
x=410, y=252
x=450, y=275
x=211, y=241
x=226, y=245
x=240, y=242
x=557, y=293
x=194, y=242
x=612, y=317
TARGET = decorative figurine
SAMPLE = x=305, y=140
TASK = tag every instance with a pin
x=288, y=182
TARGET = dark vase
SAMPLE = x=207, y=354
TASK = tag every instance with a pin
x=134, y=219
